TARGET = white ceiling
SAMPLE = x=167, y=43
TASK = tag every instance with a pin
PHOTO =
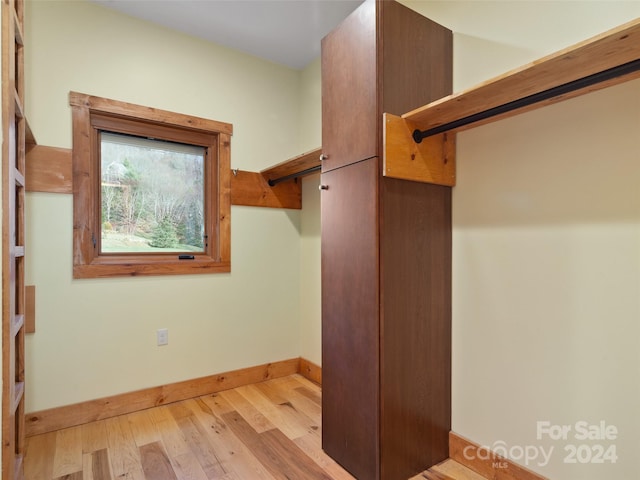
x=287, y=32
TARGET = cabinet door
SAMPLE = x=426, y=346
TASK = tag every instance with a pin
x=350, y=351
x=349, y=102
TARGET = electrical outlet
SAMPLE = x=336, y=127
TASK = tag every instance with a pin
x=163, y=336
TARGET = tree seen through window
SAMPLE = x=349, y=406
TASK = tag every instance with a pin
x=152, y=195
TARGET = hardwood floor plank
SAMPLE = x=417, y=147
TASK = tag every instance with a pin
x=301, y=466
x=71, y=476
x=280, y=456
x=159, y=415
x=305, y=387
x=94, y=436
x=280, y=415
x=300, y=401
x=123, y=452
x=231, y=452
x=68, y=456
x=431, y=475
x=187, y=467
x=96, y=465
x=197, y=441
x=185, y=463
x=448, y=470
x=245, y=464
x=155, y=462
x=244, y=407
x=170, y=433
x=305, y=382
x=311, y=446
x=87, y=472
x=143, y=428
x=217, y=403
x=456, y=471
x=40, y=451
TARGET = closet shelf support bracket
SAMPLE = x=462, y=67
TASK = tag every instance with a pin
x=431, y=161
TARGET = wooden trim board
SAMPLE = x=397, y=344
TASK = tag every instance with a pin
x=77, y=414
x=310, y=371
x=467, y=453
x=155, y=115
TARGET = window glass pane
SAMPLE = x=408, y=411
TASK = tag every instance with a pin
x=152, y=195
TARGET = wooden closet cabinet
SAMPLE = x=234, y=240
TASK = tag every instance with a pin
x=386, y=252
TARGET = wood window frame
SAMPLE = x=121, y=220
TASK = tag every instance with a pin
x=90, y=114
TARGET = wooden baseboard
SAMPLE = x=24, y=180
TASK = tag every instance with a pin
x=466, y=452
x=71, y=415
x=310, y=370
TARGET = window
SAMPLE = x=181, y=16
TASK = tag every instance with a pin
x=151, y=191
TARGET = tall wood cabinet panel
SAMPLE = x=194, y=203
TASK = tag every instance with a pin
x=415, y=326
x=386, y=252
x=350, y=309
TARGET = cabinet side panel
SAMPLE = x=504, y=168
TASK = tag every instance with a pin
x=416, y=61
x=350, y=329
x=416, y=326
x=349, y=105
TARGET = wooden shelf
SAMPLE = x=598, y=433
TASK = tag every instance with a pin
x=608, y=59
x=608, y=50
x=296, y=166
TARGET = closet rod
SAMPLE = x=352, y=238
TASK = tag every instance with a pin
x=276, y=181
x=617, y=71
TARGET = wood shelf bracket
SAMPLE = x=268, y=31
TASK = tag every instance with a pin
x=252, y=189
x=431, y=161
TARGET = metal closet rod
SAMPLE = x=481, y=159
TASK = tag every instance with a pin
x=618, y=71
x=276, y=181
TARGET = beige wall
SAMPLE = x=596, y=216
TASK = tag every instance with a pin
x=310, y=138
x=546, y=245
x=97, y=337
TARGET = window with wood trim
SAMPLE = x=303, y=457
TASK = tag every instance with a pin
x=151, y=191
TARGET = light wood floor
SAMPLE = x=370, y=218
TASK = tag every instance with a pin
x=269, y=430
